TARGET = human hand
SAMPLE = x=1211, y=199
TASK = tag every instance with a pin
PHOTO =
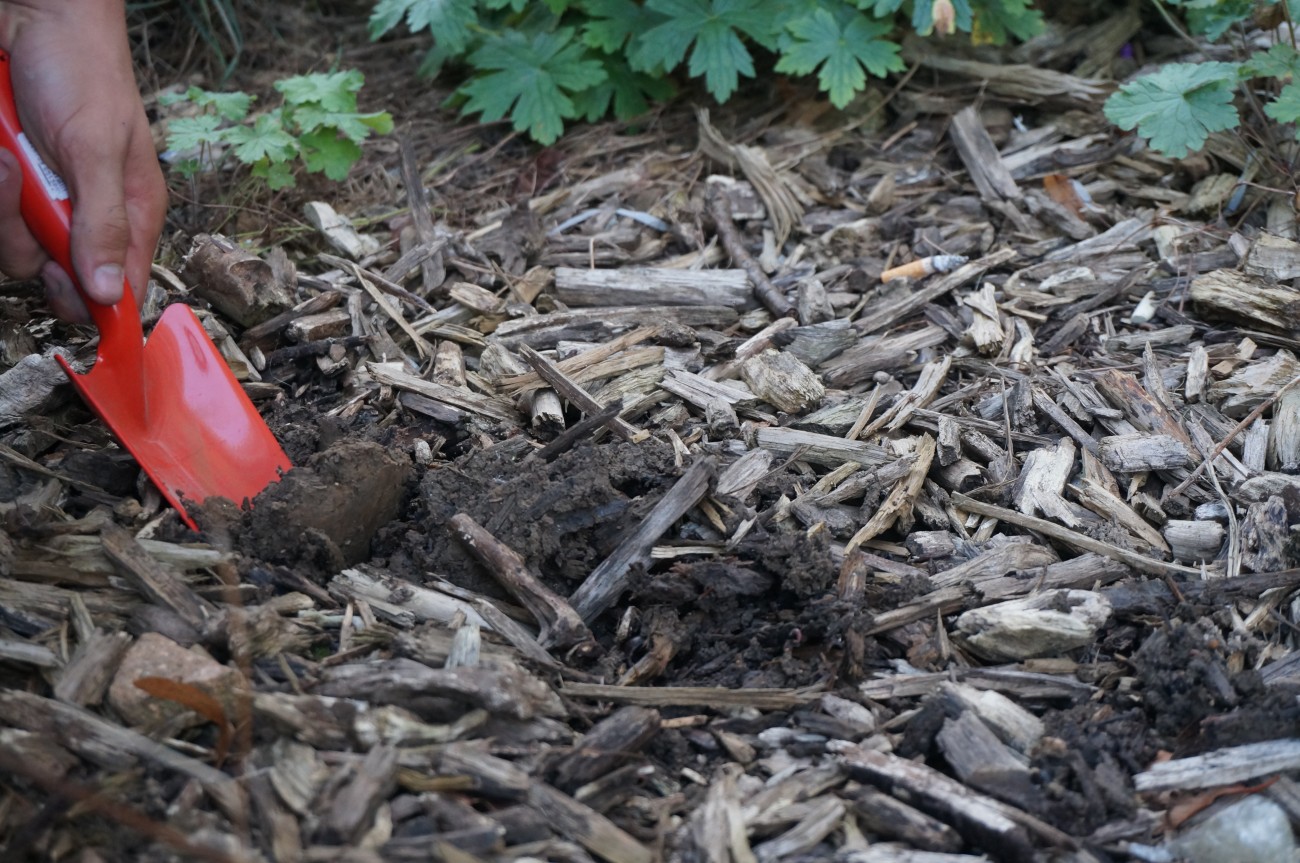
x=77, y=99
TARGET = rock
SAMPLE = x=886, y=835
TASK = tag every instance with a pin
x=1253, y=830
x=154, y=655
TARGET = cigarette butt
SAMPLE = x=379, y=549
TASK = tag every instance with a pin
x=923, y=267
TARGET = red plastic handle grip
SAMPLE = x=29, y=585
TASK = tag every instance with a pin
x=48, y=213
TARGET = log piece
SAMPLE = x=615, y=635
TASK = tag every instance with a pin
x=560, y=625
x=639, y=286
x=981, y=821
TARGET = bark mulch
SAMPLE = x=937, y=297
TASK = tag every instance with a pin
x=913, y=483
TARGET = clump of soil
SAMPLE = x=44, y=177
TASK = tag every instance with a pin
x=323, y=512
x=563, y=517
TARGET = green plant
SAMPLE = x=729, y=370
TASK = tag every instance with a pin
x=318, y=125
x=544, y=63
x=1178, y=106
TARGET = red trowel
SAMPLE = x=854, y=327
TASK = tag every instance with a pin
x=172, y=402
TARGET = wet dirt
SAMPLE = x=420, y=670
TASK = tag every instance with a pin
x=322, y=514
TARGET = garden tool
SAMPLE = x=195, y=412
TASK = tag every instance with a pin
x=172, y=401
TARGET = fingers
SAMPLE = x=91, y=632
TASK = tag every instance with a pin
x=119, y=204
x=62, y=295
x=146, y=205
x=21, y=257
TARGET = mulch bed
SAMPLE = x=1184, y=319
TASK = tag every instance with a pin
x=637, y=517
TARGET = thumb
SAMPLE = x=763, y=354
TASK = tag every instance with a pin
x=101, y=228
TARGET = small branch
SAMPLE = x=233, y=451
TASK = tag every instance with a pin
x=560, y=625
x=766, y=292
x=571, y=390
x=1071, y=538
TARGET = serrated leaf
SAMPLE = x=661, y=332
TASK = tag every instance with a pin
x=720, y=58
x=356, y=127
x=232, y=106
x=881, y=8
x=333, y=91
x=842, y=51
x=994, y=21
x=433, y=61
x=186, y=133
x=450, y=21
x=714, y=27
x=328, y=153
x=612, y=22
x=1279, y=61
x=265, y=139
x=630, y=93
x=1214, y=19
x=1177, y=107
x=277, y=175
x=528, y=78
x=1286, y=107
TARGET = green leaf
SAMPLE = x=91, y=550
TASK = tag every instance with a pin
x=1286, y=107
x=186, y=133
x=1214, y=19
x=881, y=8
x=433, y=61
x=611, y=23
x=714, y=26
x=278, y=175
x=842, y=52
x=1279, y=61
x=328, y=153
x=530, y=79
x=265, y=139
x=232, y=106
x=356, y=127
x=450, y=21
x=629, y=92
x=333, y=91
x=997, y=20
x=1177, y=107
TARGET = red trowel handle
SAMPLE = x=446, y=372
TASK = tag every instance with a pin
x=48, y=213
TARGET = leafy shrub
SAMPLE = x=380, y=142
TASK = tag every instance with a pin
x=317, y=125
x=545, y=63
x=1178, y=106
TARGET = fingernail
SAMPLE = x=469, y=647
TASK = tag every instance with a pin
x=107, y=287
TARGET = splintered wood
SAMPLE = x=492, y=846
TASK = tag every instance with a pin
x=912, y=483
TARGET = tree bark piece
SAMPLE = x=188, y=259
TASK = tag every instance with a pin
x=982, y=821
x=609, y=744
x=635, y=286
x=561, y=627
x=608, y=580
x=1070, y=537
x=586, y=826
x=580, y=398
x=157, y=582
x=982, y=160
x=112, y=746
x=766, y=292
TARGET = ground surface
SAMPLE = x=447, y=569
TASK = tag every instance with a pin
x=400, y=652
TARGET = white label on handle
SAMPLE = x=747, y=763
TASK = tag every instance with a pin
x=53, y=183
